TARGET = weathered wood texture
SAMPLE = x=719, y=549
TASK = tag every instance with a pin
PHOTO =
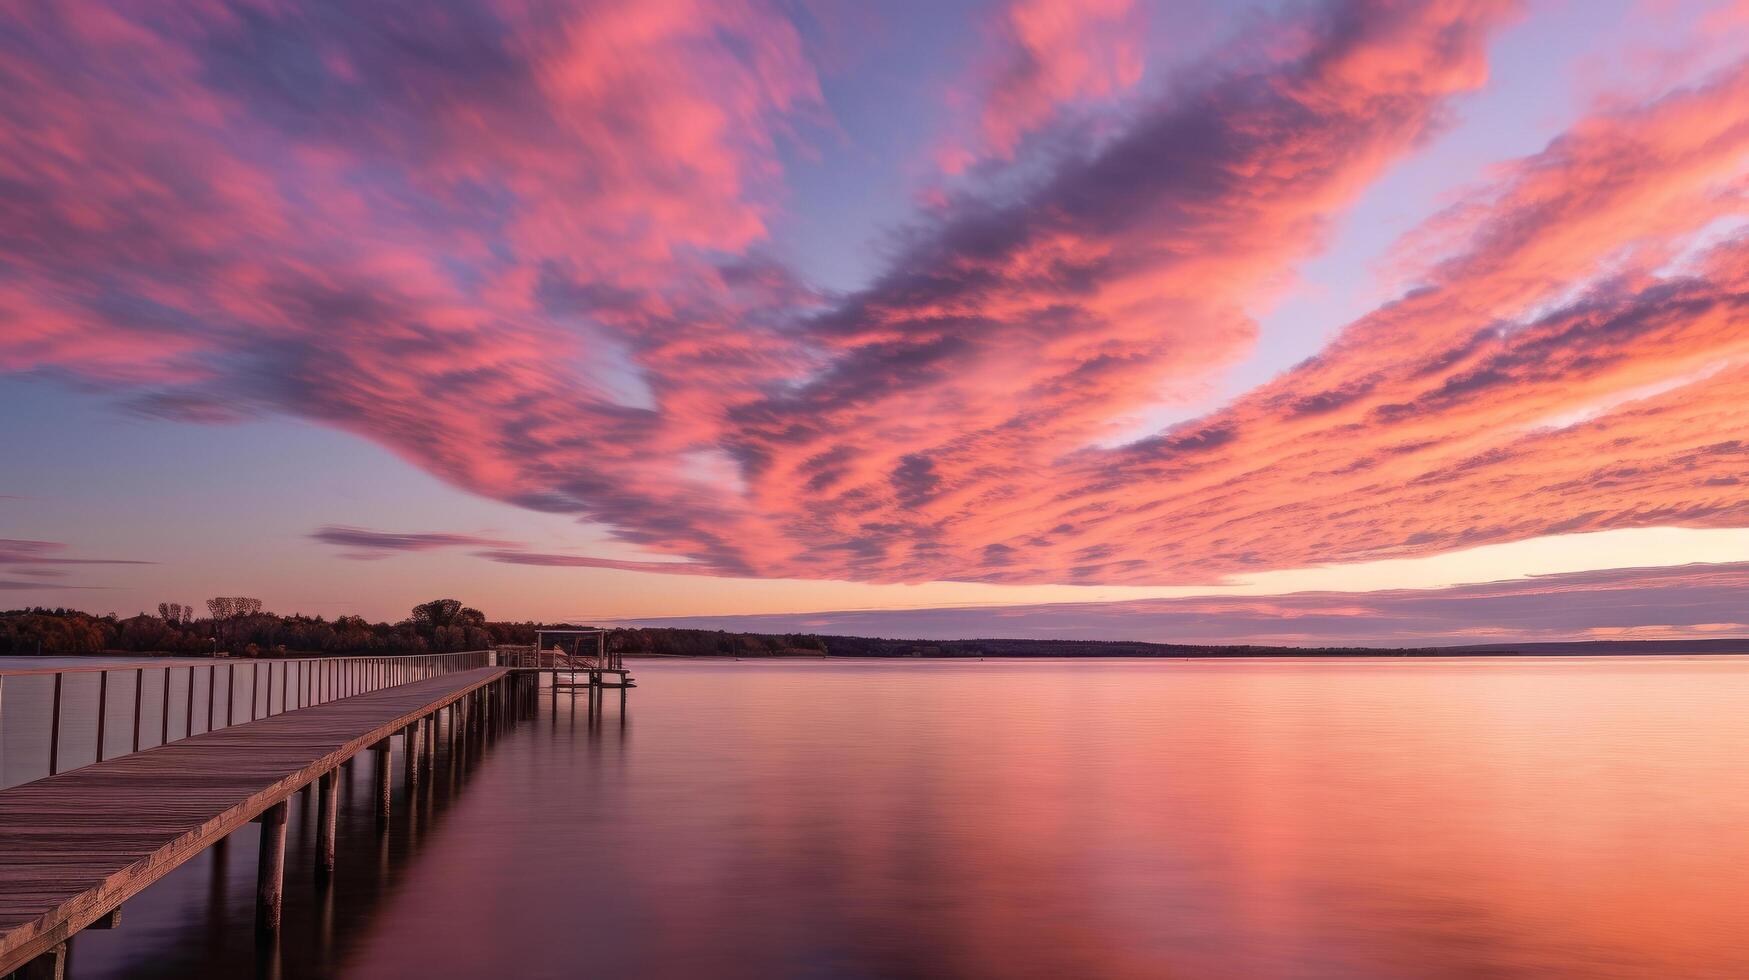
x=327, y=814
x=270, y=874
x=73, y=847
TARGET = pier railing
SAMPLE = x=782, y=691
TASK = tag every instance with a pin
x=531, y=657
x=588, y=651
x=57, y=718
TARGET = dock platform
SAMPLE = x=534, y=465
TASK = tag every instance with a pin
x=75, y=846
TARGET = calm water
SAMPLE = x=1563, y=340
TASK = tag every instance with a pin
x=1039, y=819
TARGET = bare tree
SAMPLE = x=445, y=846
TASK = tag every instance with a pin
x=231, y=607
x=226, y=609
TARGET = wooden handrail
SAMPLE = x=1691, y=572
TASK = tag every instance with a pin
x=291, y=683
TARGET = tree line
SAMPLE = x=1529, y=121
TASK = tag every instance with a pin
x=239, y=626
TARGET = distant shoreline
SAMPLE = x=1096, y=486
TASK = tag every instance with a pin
x=865, y=648
x=775, y=647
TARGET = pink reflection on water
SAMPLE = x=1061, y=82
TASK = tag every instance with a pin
x=1043, y=819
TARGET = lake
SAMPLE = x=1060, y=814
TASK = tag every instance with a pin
x=1332, y=818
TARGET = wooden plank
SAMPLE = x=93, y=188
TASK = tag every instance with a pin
x=75, y=846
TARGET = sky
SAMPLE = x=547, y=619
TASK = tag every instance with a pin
x=1322, y=321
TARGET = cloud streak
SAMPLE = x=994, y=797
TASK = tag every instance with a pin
x=377, y=544
x=14, y=551
x=1685, y=602
x=20, y=585
x=548, y=560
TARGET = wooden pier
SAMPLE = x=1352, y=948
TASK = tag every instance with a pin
x=587, y=666
x=75, y=846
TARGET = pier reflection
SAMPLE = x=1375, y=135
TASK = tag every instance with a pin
x=197, y=921
x=1272, y=820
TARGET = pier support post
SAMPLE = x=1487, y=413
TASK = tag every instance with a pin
x=410, y=742
x=51, y=964
x=270, y=878
x=327, y=807
x=427, y=743
x=381, y=750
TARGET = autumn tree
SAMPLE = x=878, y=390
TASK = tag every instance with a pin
x=447, y=625
x=439, y=613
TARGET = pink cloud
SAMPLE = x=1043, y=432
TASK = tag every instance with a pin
x=434, y=227
x=298, y=278
x=1050, y=54
x=1013, y=333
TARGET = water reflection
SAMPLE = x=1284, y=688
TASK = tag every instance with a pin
x=1421, y=819
x=199, y=920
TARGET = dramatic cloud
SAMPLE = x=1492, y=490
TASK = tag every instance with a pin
x=1051, y=53
x=524, y=246
x=1693, y=602
x=1012, y=333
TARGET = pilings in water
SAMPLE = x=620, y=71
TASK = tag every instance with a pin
x=51, y=965
x=384, y=781
x=270, y=870
x=414, y=752
x=327, y=809
x=469, y=719
x=463, y=719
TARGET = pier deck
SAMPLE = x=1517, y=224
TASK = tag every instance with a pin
x=74, y=847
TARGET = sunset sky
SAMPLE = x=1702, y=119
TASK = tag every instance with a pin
x=1303, y=322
